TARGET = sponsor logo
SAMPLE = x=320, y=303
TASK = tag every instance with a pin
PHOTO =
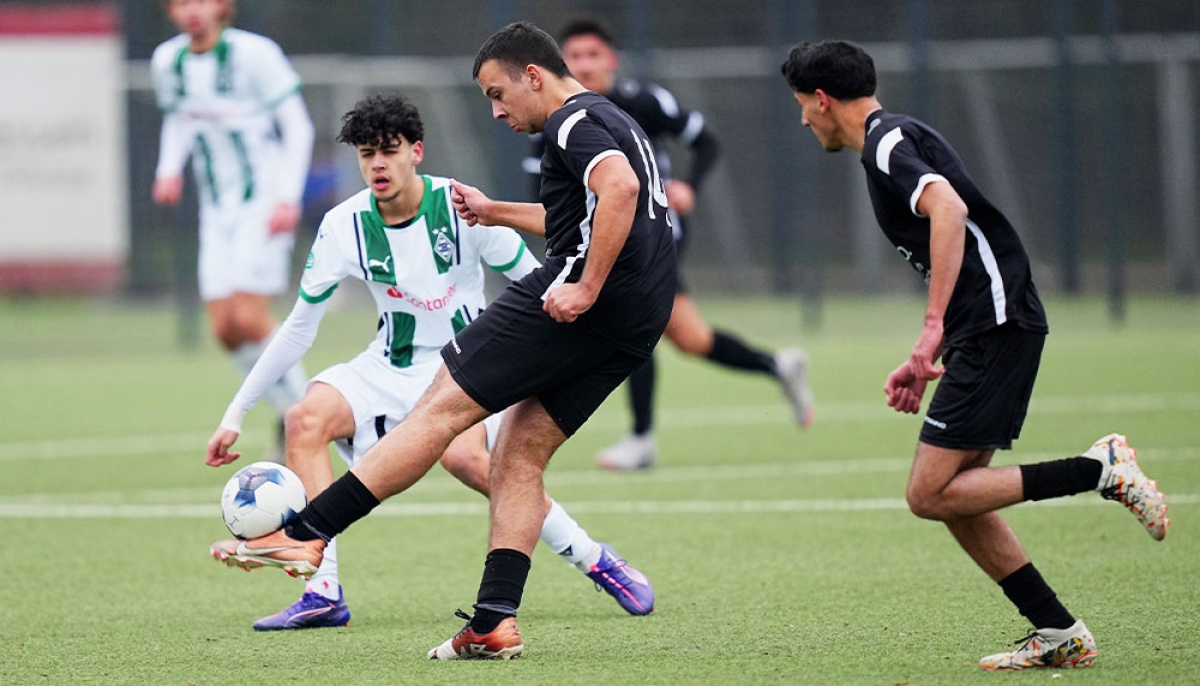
x=426, y=304
x=935, y=423
x=921, y=269
x=312, y=259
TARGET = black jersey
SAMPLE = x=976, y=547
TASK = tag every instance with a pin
x=660, y=116
x=637, y=296
x=901, y=156
x=657, y=111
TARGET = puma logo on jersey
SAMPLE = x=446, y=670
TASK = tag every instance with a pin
x=395, y=292
x=383, y=266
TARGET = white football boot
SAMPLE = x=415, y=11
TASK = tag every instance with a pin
x=629, y=453
x=792, y=366
x=1048, y=648
x=1122, y=480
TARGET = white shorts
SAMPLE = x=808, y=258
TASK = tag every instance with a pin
x=237, y=252
x=381, y=395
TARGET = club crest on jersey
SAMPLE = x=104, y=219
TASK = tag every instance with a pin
x=443, y=247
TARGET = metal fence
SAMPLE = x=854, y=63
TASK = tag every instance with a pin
x=1077, y=118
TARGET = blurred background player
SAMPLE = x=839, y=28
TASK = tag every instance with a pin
x=402, y=238
x=588, y=48
x=231, y=101
x=985, y=321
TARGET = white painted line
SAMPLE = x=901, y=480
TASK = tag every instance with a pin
x=480, y=509
x=670, y=418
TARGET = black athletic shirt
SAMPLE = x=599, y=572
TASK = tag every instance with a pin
x=657, y=111
x=901, y=156
x=635, y=302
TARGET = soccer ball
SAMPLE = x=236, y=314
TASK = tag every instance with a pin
x=261, y=498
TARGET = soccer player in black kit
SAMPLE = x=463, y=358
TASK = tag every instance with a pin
x=550, y=348
x=589, y=51
x=985, y=321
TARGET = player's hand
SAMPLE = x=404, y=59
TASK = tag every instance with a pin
x=926, y=350
x=284, y=219
x=218, y=448
x=469, y=203
x=168, y=190
x=568, y=301
x=904, y=389
x=681, y=197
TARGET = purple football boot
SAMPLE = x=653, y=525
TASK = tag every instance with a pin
x=630, y=587
x=312, y=611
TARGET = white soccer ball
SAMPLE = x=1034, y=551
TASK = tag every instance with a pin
x=261, y=498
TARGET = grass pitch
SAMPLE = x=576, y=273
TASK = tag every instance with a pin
x=778, y=556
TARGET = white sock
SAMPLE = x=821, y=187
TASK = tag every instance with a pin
x=566, y=538
x=325, y=581
x=285, y=392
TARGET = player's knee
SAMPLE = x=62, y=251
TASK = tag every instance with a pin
x=303, y=427
x=468, y=465
x=695, y=341
x=227, y=334
x=925, y=506
x=246, y=325
x=693, y=345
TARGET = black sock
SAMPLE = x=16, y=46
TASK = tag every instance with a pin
x=1028, y=591
x=346, y=501
x=504, y=574
x=641, y=397
x=1057, y=478
x=730, y=351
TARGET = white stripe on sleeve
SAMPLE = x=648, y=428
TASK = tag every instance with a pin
x=883, y=153
x=587, y=173
x=565, y=130
x=924, y=181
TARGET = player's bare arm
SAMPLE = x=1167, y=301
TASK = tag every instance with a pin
x=168, y=190
x=474, y=207
x=947, y=239
x=681, y=197
x=284, y=218
x=616, y=187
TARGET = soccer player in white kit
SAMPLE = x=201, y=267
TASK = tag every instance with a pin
x=423, y=266
x=231, y=102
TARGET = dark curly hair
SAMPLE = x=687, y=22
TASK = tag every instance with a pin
x=379, y=119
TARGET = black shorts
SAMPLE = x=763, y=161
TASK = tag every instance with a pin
x=514, y=351
x=981, y=401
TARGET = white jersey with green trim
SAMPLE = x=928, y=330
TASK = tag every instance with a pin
x=220, y=106
x=426, y=275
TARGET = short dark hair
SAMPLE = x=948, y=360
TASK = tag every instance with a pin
x=587, y=25
x=842, y=69
x=518, y=45
x=380, y=119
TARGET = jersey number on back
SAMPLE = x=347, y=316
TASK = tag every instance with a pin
x=657, y=193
